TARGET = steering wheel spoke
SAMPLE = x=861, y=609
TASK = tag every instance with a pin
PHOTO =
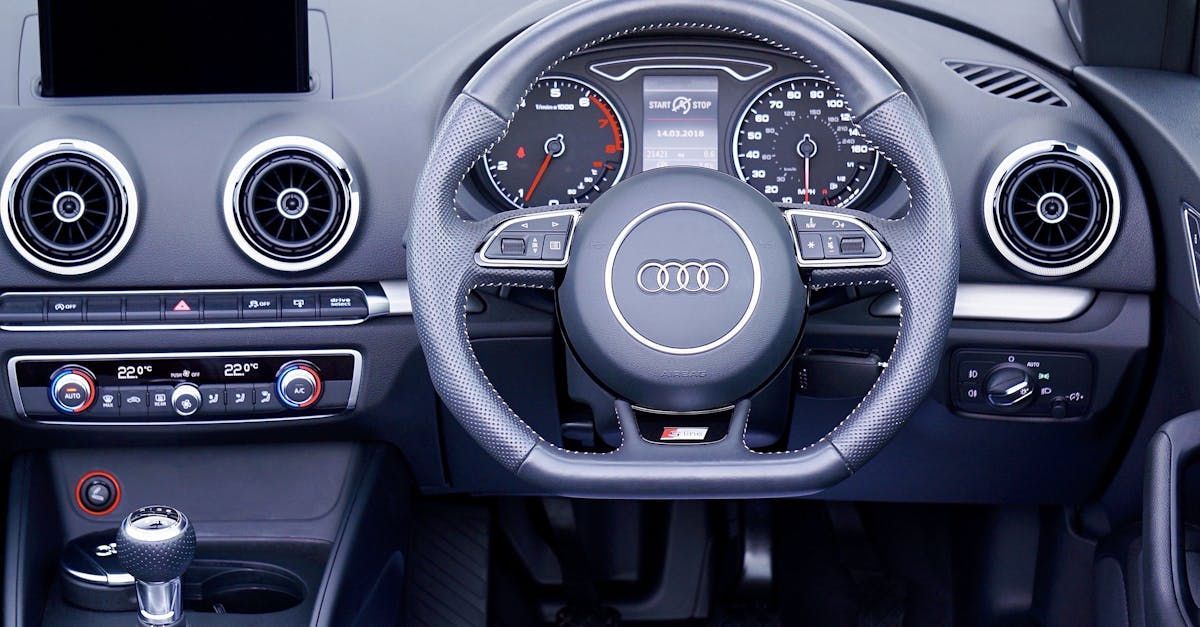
x=535, y=238
x=837, y=238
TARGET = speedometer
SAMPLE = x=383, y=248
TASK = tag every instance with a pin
x=566, y=145
x=797, y=143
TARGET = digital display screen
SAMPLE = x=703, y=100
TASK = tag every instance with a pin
x=165, y=47
x=679, y=122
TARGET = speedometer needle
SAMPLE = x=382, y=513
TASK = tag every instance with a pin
x=807, y=149
x=806, y=177
x=554, y=147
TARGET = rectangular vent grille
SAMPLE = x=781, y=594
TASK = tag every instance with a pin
x=1007, y=83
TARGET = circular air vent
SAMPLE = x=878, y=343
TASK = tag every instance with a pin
x=1052, y=208
x=71, y=206
x=290, y=204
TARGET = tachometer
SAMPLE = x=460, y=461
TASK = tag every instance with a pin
x=566, y=145
x=796, y=143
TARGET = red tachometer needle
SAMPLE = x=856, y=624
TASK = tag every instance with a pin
x=538, y=177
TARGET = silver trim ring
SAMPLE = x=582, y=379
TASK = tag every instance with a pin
x=1084, y=157
x=127, y=204
x=677, y=276
x=316, y=149
x=756, y=290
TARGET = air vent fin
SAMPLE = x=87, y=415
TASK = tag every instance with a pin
x=71, y=206
x=1008, y=83
x=290, y=205
x=1052, y=208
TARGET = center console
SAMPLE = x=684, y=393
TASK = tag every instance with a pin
x=170, y=388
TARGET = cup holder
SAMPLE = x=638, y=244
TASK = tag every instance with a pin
x=240, y=588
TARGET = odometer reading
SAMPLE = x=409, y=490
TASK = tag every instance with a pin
x=797, y=143
x=565, y=145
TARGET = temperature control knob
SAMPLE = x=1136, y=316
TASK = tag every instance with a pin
x=298, y=384
x=72, y=389
x=1010, y=387
x=185, y=399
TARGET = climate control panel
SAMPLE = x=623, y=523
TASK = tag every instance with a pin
x=158, y=388
x=1021, y=383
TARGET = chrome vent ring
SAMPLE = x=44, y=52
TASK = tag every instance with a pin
x=70, y=206
x=291, y=204
x=1052, y=208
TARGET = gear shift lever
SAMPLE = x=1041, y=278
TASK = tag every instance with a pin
x=156, y=544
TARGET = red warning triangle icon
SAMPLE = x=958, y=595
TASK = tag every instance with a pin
x=181, y=306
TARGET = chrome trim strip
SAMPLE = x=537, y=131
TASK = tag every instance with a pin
x=128, y=203
x=15, y=387
x=999, y=178
x=1005, y=302
x=482, y=259
x=1187, y=232
x=885, y=255
x=681, y=62
x=255, y=155
x=376, y=307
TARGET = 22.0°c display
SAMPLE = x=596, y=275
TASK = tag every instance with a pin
x=566, y=145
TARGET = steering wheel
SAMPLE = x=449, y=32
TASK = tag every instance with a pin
x=682, y=289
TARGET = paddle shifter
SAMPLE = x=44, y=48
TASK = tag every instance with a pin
x=156, y=544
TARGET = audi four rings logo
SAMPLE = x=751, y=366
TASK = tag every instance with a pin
x=674, y=276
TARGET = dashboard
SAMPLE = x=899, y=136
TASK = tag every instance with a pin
x=770, y=120
x=603, y=116
x=222, y=226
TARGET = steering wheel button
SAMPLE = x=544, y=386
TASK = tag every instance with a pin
x=556, y=224
x=512, y=246
x=853, y=245
x=812, y=246
x=554, y=247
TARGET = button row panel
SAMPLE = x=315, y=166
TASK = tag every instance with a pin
x=536, y=240
x=826, y=238
x=161, y=388
x=183, y=308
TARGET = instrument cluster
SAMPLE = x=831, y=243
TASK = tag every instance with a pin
x=600, y=117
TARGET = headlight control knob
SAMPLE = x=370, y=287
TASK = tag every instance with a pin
x=298, y=384
x=1010, y=387
x=72, y=389
x=185, y=399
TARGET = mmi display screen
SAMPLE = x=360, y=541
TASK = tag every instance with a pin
x=165, y=47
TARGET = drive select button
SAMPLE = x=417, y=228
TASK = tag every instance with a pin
x=343, y=304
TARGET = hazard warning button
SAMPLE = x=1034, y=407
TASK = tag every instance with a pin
x=183, y=308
